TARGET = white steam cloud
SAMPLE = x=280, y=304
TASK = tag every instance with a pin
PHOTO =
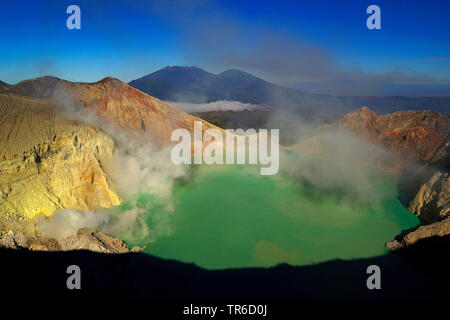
x=340, y=163
x=137, y=168
x=135, y=223
x=221, y=105
x=66, y=222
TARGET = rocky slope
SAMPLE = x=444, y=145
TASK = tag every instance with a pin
x=56, y=138
x=437, y=229
x=417, y=143
x=414, y=136
x=421, y=136
x=48, y=162
x=192, y=84
x=112, y=100
x=432, y=201
x=431, y=204
x=84, y=239
x=420, y=139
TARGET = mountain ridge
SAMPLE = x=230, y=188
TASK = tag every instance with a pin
x=346, y=87
x=57, y=138
x=241, y=86
x=112, y=99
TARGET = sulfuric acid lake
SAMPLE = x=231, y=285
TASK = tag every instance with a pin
x=232, y=217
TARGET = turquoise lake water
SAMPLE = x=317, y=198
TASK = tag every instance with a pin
x=231, y=217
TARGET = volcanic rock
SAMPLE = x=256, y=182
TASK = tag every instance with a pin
x=112, y=100
x=84, y=239
x=56, y=140
x=437, y=229
x=432, y=201
x=416, y=135
x=49, y=163
x=417, y=143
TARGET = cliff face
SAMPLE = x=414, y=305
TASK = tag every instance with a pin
x=431, y=204
x=418, y=144
x=420, y=136
x=84, y=239
x=49, y=163
x=56, y=137
x=436, y=229
x=112, y=100
x=421, y=139
x=414, y=136
x=432, y=201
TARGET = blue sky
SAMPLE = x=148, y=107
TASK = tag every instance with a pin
x=278, y=40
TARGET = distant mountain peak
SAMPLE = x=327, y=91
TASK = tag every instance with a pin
x=42, y=79
x=167, y=68
x=179, y=70
x=365, y=109
x=195, y=85
x=235, y=72
x=108, y=80
x=45, y=86
x=175, y=73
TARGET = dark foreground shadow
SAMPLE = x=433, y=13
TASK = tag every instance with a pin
x=418, y=272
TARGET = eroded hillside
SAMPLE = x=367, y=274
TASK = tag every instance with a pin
x=57, y=137
x=48, y=162
x=412, y=143
x=111, y=100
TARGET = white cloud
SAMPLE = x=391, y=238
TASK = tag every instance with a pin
x=222, y=105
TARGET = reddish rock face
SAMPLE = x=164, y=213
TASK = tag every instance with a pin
x=113, y=100
x=421, y=136
x=410, y=137
x=56, y=140
x=418, y=143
